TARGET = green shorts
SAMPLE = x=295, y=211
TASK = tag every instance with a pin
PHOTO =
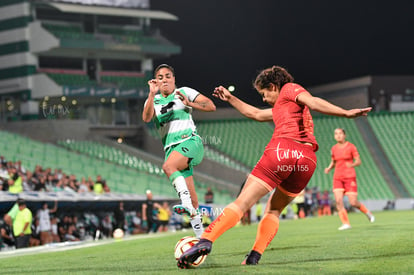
x=191, y=148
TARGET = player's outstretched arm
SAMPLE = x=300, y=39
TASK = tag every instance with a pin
x=148, y=112
x=325, y=107
x=245, y=109
x=201, y=102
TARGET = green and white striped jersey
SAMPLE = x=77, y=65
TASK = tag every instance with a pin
x=172, y=118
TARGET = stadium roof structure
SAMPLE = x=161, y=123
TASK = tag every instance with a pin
x=113, y=11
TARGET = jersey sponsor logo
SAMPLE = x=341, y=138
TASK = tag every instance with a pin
x=166, y=108
x=282, y=153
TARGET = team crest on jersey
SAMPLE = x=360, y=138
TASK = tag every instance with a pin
x=167, y=108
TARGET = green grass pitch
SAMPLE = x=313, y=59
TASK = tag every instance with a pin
x=308, y=246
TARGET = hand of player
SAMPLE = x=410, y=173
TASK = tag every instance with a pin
x=349, y=164
x=153, y=86
x=222, y=93
x=183, y=98
x=358, y=112
x=327, y=170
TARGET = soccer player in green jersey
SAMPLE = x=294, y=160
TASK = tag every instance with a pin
x=171, y=111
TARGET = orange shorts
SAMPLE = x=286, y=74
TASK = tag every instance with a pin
x=347, y=185
x=288, y=165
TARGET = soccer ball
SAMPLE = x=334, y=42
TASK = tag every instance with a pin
x=183, y=245
x=118, y=234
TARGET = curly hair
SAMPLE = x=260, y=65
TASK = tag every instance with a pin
x=275, y=75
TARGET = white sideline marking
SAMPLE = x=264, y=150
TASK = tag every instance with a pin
x=64, y=246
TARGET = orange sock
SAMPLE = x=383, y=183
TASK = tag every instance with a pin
x=266, y=231
x=363, y=209
x=343, y=215
x=230, y=217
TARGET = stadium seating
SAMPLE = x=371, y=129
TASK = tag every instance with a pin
x=124, y=81
x=242, y=140
x=235, y=143
x=119, y=177
x=245, y=141
x=111, y=154
x=395, y=133
x=120, y=158
x=210, y=152
x=71, y=79
x=371, y=184
x=128, y=36
x=72, y=32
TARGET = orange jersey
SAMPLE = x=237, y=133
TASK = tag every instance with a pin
x=343, y=155
x=292, y=120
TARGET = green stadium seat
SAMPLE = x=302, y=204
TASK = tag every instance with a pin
x=237, y=135
x=395, y=134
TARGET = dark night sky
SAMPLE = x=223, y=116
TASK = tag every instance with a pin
x=229, y=41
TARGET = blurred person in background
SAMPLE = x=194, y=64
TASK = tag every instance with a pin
x=15, y=181
x=45, y=226
x=209, y=196
x=149, y=221
x=259, y=211
x=164, y=214
x=119, y=216
x=10, y=216
x=107, y=227
x=309, y=202
x=344, y=158
x=54, y=229
x=22, y=225
x=6, y=235
x=137, y=227
x=35, y=236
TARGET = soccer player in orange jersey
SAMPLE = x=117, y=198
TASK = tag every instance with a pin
x=286, y=165
x=345, y=157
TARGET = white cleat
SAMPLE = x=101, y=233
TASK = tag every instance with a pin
x=371, y=218
x=344, y=227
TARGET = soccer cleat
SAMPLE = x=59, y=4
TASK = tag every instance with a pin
x=344, y=227
x=203, y=247
x=181, y=209
x=252, y=258
x=371, y=217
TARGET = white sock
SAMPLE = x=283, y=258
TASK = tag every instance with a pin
x=197, y=225
x=182, y=190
